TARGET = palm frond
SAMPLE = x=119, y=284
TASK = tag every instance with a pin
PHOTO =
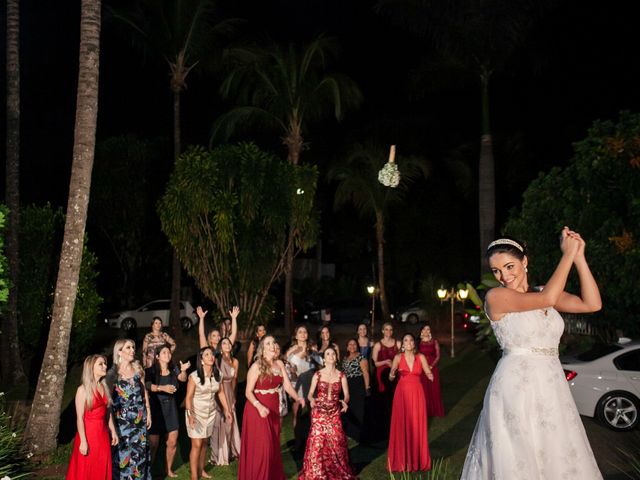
x=240, y=119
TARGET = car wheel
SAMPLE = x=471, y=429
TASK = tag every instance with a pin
x=186, y=323
x=412, y=319
x=618, y=411
x=128, y=324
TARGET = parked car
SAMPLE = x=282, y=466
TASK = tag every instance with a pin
x=142, y=317
x=605, y=383
x=413, y=313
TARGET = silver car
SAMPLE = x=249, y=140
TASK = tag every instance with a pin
x=143, y=316
x=605, y=383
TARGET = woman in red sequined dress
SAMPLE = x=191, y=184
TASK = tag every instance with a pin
x=260, y=444
x=326, y=456
x=408, y=444
x=430, y=348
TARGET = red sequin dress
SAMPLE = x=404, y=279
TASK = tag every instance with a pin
x=432, y=394
x=260, y=457
x=408, y=445
x=326, y=456
x=96, y=465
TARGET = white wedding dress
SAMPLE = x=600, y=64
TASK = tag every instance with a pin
x=529, y=427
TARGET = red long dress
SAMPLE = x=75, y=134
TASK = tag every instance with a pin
x=408, y=445
x=432, y=393
x=382, y=373
x=327, y=456
x=96, y=465
x=260, y=457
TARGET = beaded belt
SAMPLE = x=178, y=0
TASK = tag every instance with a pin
x=270, y=390
x=548, y=352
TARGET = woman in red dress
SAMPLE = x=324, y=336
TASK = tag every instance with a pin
x=430, y=348
x=408, y=445
x=383, y=353
x=326, y=456
x=91, y=457
x=260, y=444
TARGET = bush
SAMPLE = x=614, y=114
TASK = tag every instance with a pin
x=596, y=195
x=40, y=235
x=13, y=463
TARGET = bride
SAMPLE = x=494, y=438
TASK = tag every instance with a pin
x=529, y=427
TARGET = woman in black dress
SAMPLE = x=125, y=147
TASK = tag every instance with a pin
x=356, y=369
x=162, y=383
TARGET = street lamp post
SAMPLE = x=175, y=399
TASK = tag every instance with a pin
x=452, y=296
x=371, y=289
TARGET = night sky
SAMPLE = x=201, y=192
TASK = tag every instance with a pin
x=578, y=64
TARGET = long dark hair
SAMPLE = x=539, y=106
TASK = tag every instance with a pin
x=200, y=367
x=156, y=363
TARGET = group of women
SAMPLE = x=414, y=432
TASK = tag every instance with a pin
x=122, y=413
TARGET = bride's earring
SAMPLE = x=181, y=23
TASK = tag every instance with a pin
x=526, y=270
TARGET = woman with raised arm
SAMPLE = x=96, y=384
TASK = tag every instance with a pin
x=327, y=456
x=202, y=410
x=408, y=444
x=225, y=441
x=529, y=426
x=131, y=411
x=212, y=339
x=163, y=381
x=91, y=454
x=260, y=457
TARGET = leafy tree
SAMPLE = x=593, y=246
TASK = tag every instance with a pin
x=285, y=89
x=10, y=364
x=40, y=235
x=183, y=33
x=357, y=184
x=596, y=195
x=225, y=212
x=128, y=176
x=44, y=419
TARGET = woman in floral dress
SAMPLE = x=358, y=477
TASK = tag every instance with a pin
x=132, y=414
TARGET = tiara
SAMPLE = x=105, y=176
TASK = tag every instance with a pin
x=505, y=241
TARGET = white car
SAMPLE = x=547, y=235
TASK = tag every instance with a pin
x=605, y=383
x=413, y=313
x=143, y=316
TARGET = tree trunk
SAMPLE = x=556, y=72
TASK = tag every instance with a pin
x=384, y=303
x=42, y=426
x=176, y=269
x=12, y=371
x=486, y=178
x=294, y=143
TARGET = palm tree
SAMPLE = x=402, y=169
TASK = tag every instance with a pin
x=285, y=89
x=12, y=371
x=357, y=184
x=475, y=40
x=44, y=419
x=183, y=33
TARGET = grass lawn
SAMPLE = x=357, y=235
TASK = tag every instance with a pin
x=464, y=381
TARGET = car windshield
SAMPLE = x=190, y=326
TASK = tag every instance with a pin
x=598, y=350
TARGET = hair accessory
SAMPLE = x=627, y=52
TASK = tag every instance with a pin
x=505, y=241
